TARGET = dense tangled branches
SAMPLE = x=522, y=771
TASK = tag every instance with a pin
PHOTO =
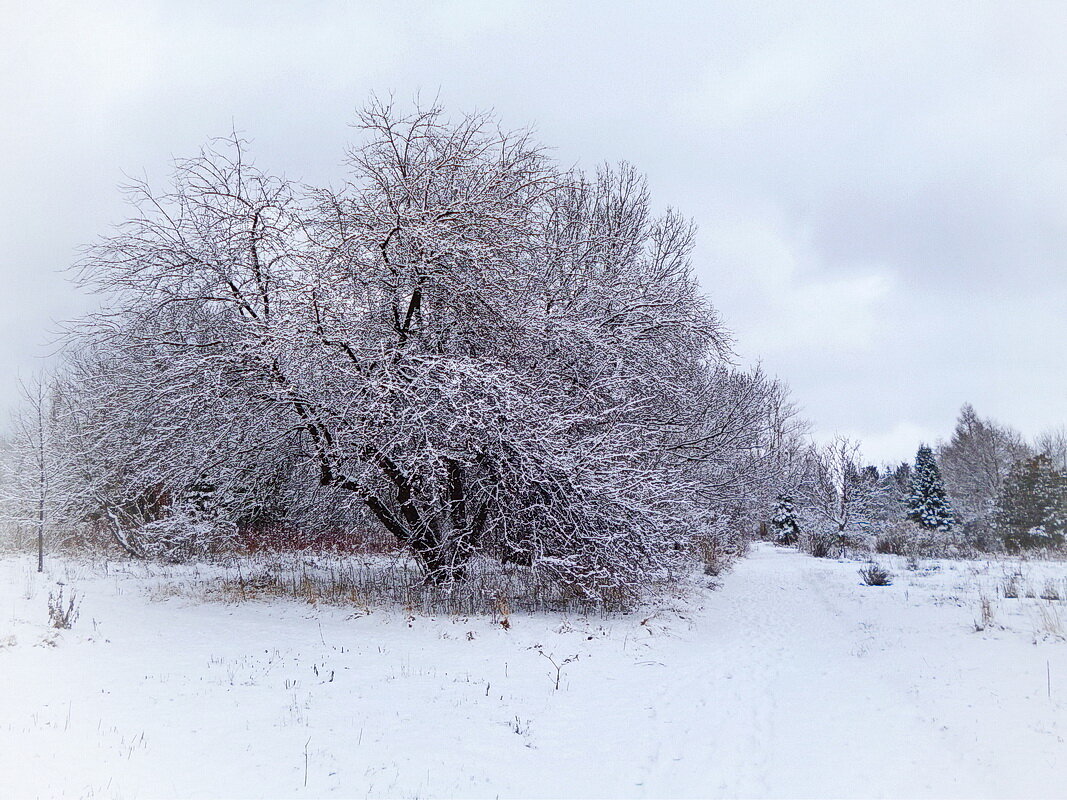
x=468, y=346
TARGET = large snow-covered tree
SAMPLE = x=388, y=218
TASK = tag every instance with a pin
x=28, y=483
x=837, y=492
x=977, y=459
x=928, y=505
x=476, y=350
x=1032, y=508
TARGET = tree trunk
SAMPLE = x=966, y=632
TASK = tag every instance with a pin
x=40, y=527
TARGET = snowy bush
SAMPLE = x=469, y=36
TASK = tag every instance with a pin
x=910, y=539
x=893, y=542
x=820, y=544
x=902, y=539
x=875, y=574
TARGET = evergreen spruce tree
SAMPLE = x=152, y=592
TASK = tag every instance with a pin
x=1031, y=510
x=927, y=503
x=787, y=531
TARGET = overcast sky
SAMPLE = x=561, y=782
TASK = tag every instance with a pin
x=881, y=189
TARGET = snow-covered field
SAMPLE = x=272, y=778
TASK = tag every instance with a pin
x=789, y=680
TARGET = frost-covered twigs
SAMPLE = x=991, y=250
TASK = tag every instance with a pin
x=62, y=614
x=838, y=490
x=986, y=611
x=557, y=665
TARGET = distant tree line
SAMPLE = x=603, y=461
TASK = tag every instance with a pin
x=985, y=488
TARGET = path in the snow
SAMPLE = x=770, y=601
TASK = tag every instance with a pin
x=795, y=681
x=791, y=680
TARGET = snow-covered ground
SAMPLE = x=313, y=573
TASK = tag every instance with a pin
x=790, y=680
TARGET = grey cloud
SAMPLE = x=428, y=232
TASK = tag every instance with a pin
x=881, y=188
